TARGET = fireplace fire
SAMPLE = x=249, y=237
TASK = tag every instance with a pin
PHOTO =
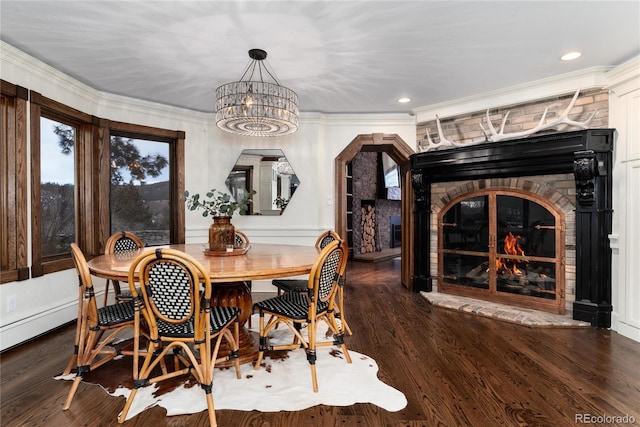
x=523, y=222
x=507, y=269
x=502, y=245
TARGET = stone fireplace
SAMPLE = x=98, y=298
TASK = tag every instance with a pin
x=523, y=222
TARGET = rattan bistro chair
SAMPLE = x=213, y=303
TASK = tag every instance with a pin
x=91, y=350
x=121, y=241
x=240, y=240
x=176, y=294
x=300, y=285
x=295, y=309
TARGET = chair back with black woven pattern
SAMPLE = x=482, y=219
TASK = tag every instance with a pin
x=241, y=240
x=171, y=282
x=123, y=241
x=325, y=274
x=325, y=238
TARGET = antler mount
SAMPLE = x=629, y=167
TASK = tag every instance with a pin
x=499, y=135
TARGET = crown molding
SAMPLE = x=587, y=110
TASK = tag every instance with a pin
x=589, y=78
x=24, y=70
x=162, y=111
x=351, y=119
x=625, y=78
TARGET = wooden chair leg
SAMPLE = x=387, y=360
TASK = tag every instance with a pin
x=72, y=392
x=345, y=350
x=343, y=345
x=344, y=325
x=343, y=320
x=116, y=291
x=106, y=293
x=71, y=364
x=211, y=410
x=123, y=415
x=236, y=347
x=314, y=378
x=74, y=357
x=256, y=366
x=311, y=352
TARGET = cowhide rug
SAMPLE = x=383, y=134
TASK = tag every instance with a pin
x=281, y=384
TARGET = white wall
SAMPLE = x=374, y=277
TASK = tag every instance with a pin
x=624, y=108
x=49, y=301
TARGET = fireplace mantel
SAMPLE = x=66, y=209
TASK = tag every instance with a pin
x=588, y=154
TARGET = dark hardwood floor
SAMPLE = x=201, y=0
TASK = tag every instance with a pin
x=455, y=369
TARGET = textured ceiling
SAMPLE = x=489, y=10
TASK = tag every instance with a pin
x=339, y=56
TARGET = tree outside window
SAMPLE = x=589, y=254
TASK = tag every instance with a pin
x=57, y=187
x=140, y=190
x=139, y=197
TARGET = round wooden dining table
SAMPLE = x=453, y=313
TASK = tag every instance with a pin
x=230, y=274
x=260, y=261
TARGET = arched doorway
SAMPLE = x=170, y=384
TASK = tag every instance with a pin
x=399, y=151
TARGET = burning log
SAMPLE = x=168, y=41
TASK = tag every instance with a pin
x=513, y=271
x=511, y=247
x=479, y=273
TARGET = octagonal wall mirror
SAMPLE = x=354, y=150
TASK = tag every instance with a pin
x=269, y=174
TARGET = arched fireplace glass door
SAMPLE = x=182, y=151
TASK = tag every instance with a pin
x=504, y=246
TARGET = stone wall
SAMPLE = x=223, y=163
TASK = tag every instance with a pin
x=466, y=128
x=365, y=166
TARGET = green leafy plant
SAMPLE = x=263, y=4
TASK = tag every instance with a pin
x=281, y=202
x=218, y=203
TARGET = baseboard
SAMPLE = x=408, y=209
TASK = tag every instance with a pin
x=24, y=330
x=624, y=329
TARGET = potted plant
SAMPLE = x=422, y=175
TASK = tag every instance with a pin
x=221, y=207
x=281, y=202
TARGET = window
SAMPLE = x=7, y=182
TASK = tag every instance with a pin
x=146, y=182
x=57, y=187
x=61, y=138
x=81, y=169
x=75, y=194
x=140, y=195
x=13, y=183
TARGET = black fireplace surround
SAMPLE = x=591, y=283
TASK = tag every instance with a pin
x=588, y=154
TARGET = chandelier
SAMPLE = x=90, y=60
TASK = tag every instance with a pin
x=255, y=107
x=283, y=167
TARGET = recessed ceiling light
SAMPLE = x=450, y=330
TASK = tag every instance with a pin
x=571, y=56
x=404, y=100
